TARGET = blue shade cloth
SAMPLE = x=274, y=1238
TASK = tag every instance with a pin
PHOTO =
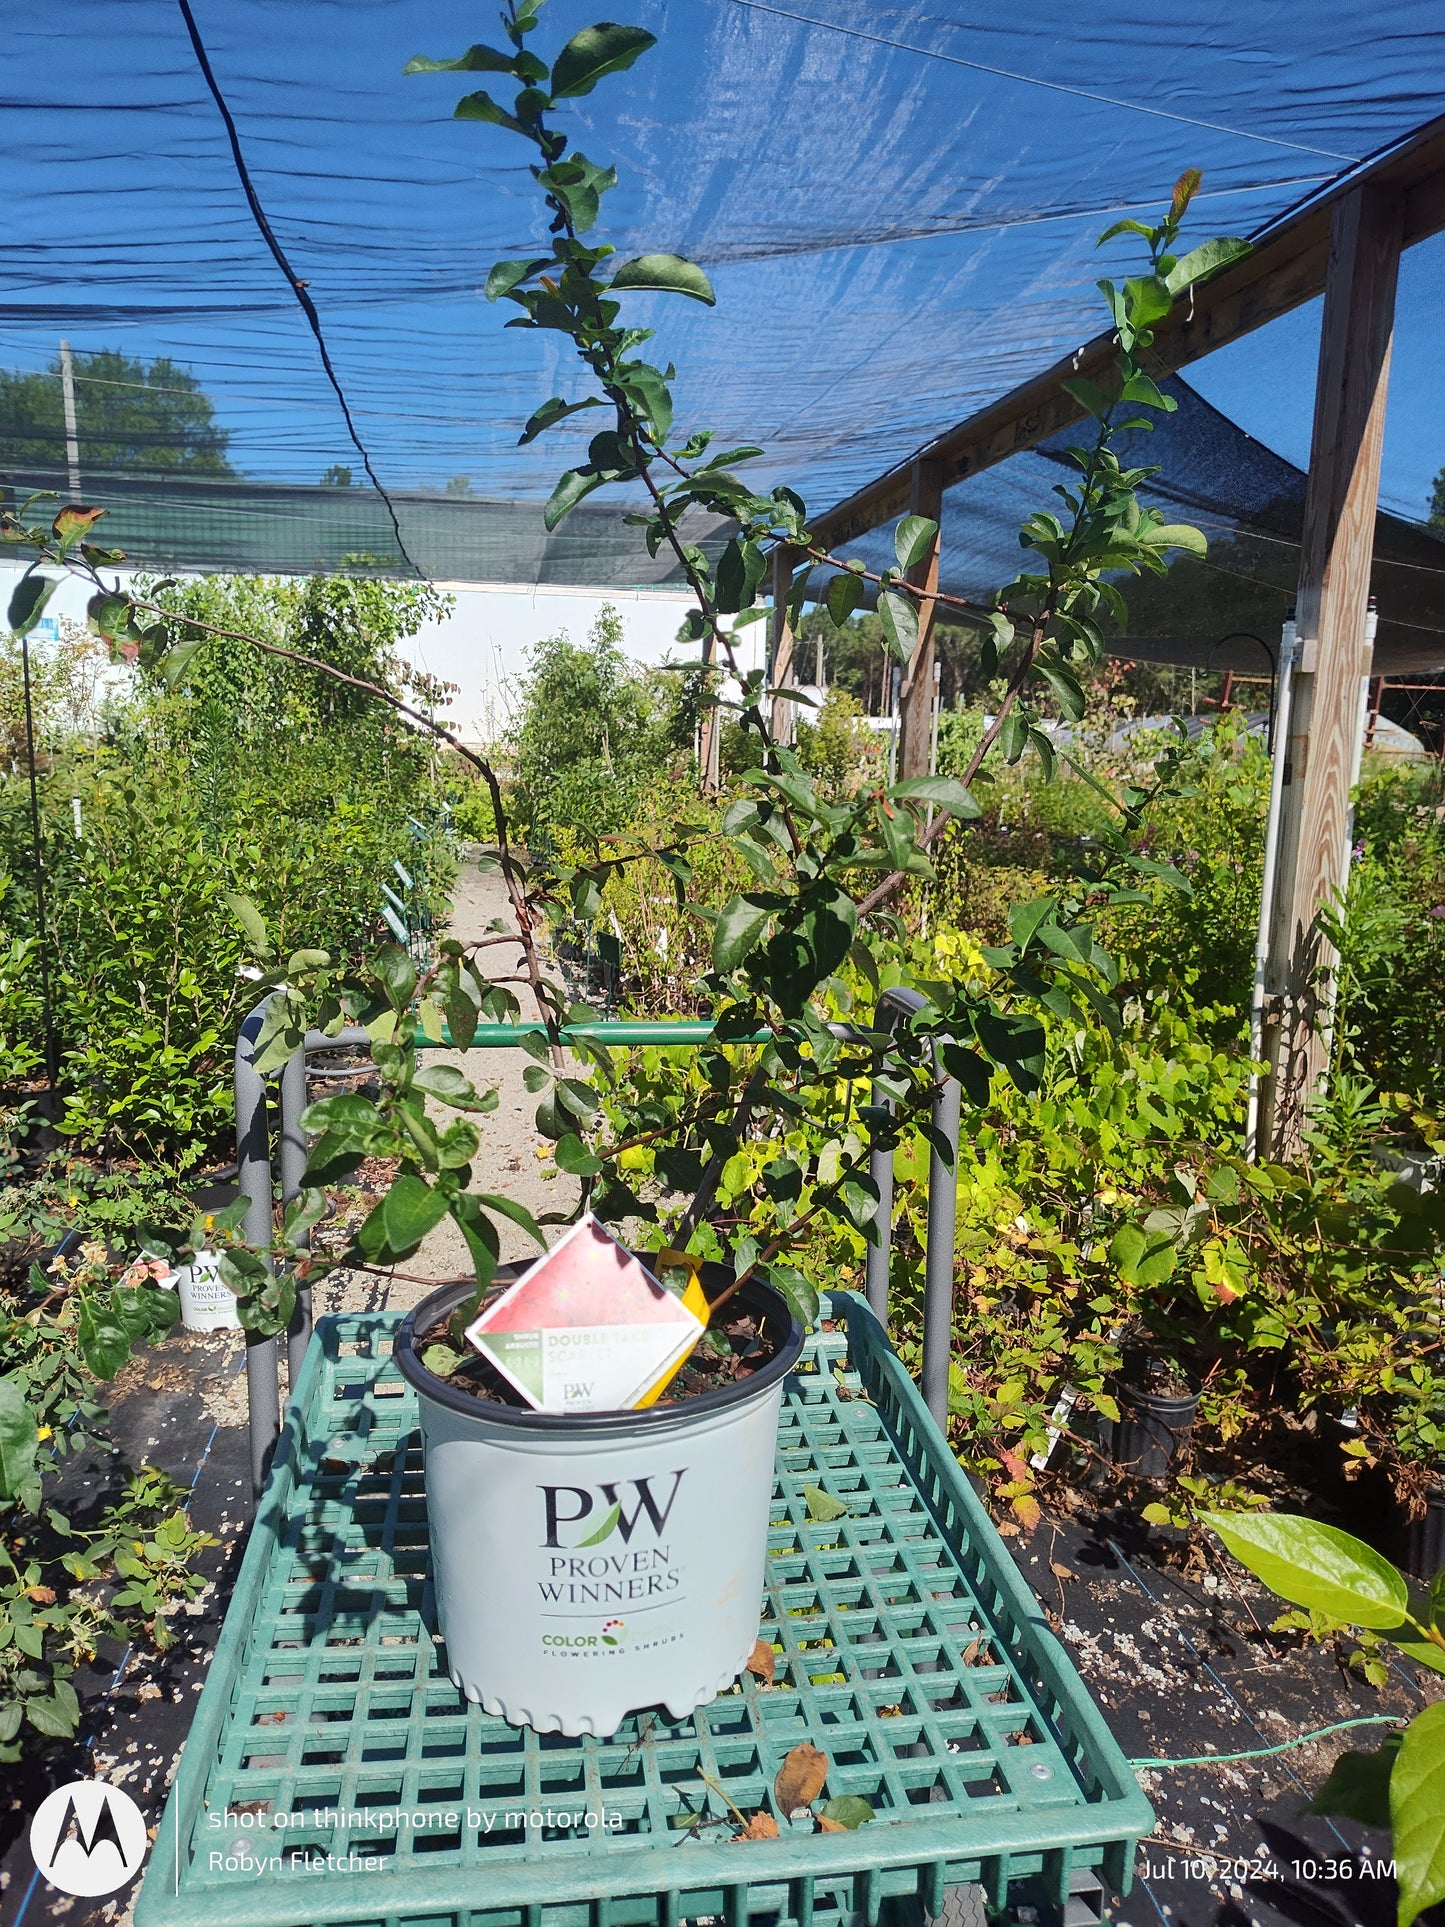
x=1226, y=611
x=897, y=204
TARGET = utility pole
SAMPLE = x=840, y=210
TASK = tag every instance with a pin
x=1337, y=549
x=915, y=714
x=72, y=440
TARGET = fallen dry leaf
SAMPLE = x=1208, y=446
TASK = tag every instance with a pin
x=1027, y=1508
x=762, y=1826
x=800, y=1778
x=1061, y=1572
x=825, y=1825
x=762, y=1662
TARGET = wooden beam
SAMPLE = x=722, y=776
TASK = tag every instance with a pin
x=1287, y=267
x=784, y=722
x=925, y=497
x=1366, y=234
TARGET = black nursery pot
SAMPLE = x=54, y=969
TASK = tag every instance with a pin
x=1425, y=1537
x=1152, y=1430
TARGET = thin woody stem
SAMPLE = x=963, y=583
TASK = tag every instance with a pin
x=990, y=736
x=975, y=611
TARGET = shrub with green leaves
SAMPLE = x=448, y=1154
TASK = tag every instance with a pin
x=586, y=737
x=1391, y=938
x=272, y=781
x=791, y=942
x=65, y=1587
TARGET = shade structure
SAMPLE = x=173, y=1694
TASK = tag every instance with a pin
x=1226, y=611
x=897, y=205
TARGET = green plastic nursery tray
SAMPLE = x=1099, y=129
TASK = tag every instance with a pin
x=334, y=1774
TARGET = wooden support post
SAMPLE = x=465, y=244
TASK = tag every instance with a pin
x=925, y=497
x=780, y=653
x=1366, y=234
x=709, y=747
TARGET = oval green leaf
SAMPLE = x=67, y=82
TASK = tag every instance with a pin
x=664, y=274
x=594, y=53
x=946, y=792
x=849, y=1810
x=1315, y=1566
x=739, y=927
x=1417, y=1813
x=912, y=539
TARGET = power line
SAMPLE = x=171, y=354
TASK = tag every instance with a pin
x=298, y=288
x=1032, y=80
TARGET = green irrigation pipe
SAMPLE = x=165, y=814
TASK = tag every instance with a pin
x=1285, y=1746
x=616, y=1030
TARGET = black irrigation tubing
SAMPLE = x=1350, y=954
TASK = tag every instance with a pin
x=298, y=288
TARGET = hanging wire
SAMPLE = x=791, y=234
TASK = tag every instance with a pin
x=1051, y=86
x=298, y=288
x=1248, y=635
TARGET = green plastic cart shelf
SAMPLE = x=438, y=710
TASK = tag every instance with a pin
x=334, y=1777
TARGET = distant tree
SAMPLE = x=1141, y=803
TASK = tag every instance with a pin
x=338, y=476
x=132, y=417
x=460, y=485
x=582, y=745
x=856, y=658
x=1437, y=502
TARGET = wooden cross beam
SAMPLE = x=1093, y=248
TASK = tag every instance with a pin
x=1287, y=267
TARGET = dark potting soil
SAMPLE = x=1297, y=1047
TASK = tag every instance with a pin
x=732, y=1349
x=1156, y=1378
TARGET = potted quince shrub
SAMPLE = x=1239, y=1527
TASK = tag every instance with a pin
x=678, y=1493
x=591, y=1562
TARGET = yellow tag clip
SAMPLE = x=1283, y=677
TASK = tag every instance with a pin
x=695, y=1301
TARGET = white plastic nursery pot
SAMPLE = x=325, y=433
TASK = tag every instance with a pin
x=591, y=1564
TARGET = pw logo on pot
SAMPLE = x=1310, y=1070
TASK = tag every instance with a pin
x=571, y=1506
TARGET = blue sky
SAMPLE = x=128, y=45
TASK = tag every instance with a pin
x=1266, y=383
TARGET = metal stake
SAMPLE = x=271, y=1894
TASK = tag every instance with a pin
x=253, y=1176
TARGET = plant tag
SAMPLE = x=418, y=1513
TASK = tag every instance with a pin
x=587, y=1328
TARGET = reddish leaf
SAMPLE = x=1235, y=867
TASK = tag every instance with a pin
x=762, y=1826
